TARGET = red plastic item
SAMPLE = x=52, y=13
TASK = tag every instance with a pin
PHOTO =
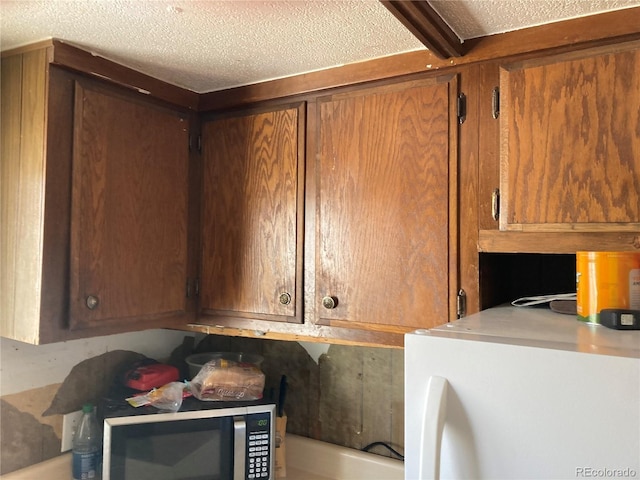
x=152, y=376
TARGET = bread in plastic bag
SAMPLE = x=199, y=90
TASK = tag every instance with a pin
x=226, y=380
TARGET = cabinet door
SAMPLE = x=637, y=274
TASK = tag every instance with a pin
x=129, y=210
x=251, y=225
x=570, y=142
x=385, y=179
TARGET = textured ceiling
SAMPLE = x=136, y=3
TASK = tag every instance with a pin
x=477, y=18
x=208, y=45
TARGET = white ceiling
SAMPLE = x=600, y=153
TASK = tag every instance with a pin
x=209, y=45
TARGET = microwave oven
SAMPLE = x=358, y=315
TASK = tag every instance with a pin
x=204, y=440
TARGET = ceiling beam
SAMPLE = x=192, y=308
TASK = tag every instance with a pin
x=427, y=26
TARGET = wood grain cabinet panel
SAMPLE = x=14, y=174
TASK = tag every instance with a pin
x=385, y=178
x=252, y=216
x=94, y=206
x=570, y=142
x=129, y=217
x=22, y=170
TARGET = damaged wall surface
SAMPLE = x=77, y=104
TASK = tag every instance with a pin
x=349, y=396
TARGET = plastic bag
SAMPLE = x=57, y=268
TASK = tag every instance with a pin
x=167, y=398
x=225, y=380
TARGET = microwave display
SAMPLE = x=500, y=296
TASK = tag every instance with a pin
x=214, y=444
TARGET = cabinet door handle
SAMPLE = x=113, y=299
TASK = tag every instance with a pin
x=285, y=298
x=92, y=302
x=329, y=302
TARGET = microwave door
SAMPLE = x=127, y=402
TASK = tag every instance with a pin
x=194, y=449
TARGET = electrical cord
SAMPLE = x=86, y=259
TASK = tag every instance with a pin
x=375, y=444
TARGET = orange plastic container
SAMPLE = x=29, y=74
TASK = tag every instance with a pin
x=606, y=280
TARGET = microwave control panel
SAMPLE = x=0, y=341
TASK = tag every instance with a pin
x=259, y=448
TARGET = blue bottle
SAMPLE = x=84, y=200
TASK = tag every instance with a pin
x=87, y=446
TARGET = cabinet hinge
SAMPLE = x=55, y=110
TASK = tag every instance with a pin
x=495, y=102
x=461, y=304
x=195, y=141
x=193, y=287
x=495, y=204
x=462, y=108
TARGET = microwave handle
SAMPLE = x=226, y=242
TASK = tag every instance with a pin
x=239, y=447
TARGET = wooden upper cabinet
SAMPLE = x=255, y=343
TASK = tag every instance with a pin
x=570, y=142
x=93, y=206
x=129, y=212
x=385, y=189
x=251, y=215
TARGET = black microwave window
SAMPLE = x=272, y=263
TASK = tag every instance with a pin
x=196, y=449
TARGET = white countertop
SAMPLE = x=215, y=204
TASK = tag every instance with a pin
x=307, y=459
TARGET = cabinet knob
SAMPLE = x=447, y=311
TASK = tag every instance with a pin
x=329, y=302
x=92, y=302
x=285, y=298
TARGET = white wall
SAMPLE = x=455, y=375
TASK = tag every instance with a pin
x=24, y=366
